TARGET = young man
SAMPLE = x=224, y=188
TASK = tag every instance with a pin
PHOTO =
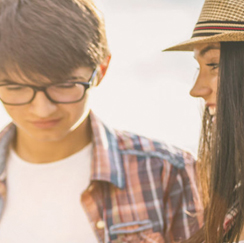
x=65, y=176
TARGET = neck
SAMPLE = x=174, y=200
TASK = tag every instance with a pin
x=39, y=152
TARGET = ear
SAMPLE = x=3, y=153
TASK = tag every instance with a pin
x=103, y=67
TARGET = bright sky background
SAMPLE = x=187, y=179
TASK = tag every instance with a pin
x=145, y=90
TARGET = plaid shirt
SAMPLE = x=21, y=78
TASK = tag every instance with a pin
x=140, y=190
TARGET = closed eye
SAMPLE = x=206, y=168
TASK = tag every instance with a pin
x=14, y=87
x=65, y=85
x=213, y=65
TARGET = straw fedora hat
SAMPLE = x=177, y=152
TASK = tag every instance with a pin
x=219, y=21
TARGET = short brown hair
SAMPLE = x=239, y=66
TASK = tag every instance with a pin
x=51, y=37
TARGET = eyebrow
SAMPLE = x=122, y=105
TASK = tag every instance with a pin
x=7, y=81
x=208, y=48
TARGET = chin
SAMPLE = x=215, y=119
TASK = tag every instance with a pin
x=48, y=136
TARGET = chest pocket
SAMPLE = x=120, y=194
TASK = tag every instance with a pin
x=130, y=227
x=125, y=223
x=145, y=236
x=132, y=213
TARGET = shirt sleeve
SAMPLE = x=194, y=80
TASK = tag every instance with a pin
x=183, y=210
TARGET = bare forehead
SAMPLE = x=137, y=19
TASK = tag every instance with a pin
x=203, y=50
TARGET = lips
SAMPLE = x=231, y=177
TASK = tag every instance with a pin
x=45, y=124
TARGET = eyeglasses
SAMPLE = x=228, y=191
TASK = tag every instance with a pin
x=63, y=93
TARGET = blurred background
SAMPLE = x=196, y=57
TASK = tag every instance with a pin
x=146, y=90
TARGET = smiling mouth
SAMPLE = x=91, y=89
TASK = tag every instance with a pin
x=211, y=108
x=46, y=124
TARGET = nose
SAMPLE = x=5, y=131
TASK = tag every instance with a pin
x=201, y=87
x=41, y=106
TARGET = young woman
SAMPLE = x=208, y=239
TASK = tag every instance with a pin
x=218, y=45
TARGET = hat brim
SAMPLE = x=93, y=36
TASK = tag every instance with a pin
x=224, y=37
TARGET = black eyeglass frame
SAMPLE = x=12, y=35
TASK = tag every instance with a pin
x=36, y=89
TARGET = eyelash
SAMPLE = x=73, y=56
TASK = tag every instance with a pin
x=213, y=65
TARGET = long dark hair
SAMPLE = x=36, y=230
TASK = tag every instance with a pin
x=221, y=151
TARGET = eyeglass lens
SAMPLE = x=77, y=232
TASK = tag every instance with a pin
x=20, y=94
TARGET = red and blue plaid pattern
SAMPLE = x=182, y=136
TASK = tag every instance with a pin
x=140, y=190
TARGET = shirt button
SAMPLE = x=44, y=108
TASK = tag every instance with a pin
x=100, y=224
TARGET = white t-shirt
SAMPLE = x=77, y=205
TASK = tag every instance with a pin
x=43, y=201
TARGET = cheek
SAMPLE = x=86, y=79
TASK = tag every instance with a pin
x=15, y=112
x=78, y=110
x=215, y=84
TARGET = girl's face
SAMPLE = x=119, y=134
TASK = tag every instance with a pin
x=207, y=56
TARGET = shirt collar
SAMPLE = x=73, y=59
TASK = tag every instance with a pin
x=107, y=159
x=6, y=137
x=108, y=149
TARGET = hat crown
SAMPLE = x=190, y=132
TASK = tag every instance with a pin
x=219, y=21
x=220, y=16
x=222, y=10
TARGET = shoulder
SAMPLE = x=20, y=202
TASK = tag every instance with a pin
x=164, y=165
x=169, y=154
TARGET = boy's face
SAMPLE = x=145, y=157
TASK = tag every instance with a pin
x=46, y=121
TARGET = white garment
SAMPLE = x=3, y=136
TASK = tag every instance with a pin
x=43, y=201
